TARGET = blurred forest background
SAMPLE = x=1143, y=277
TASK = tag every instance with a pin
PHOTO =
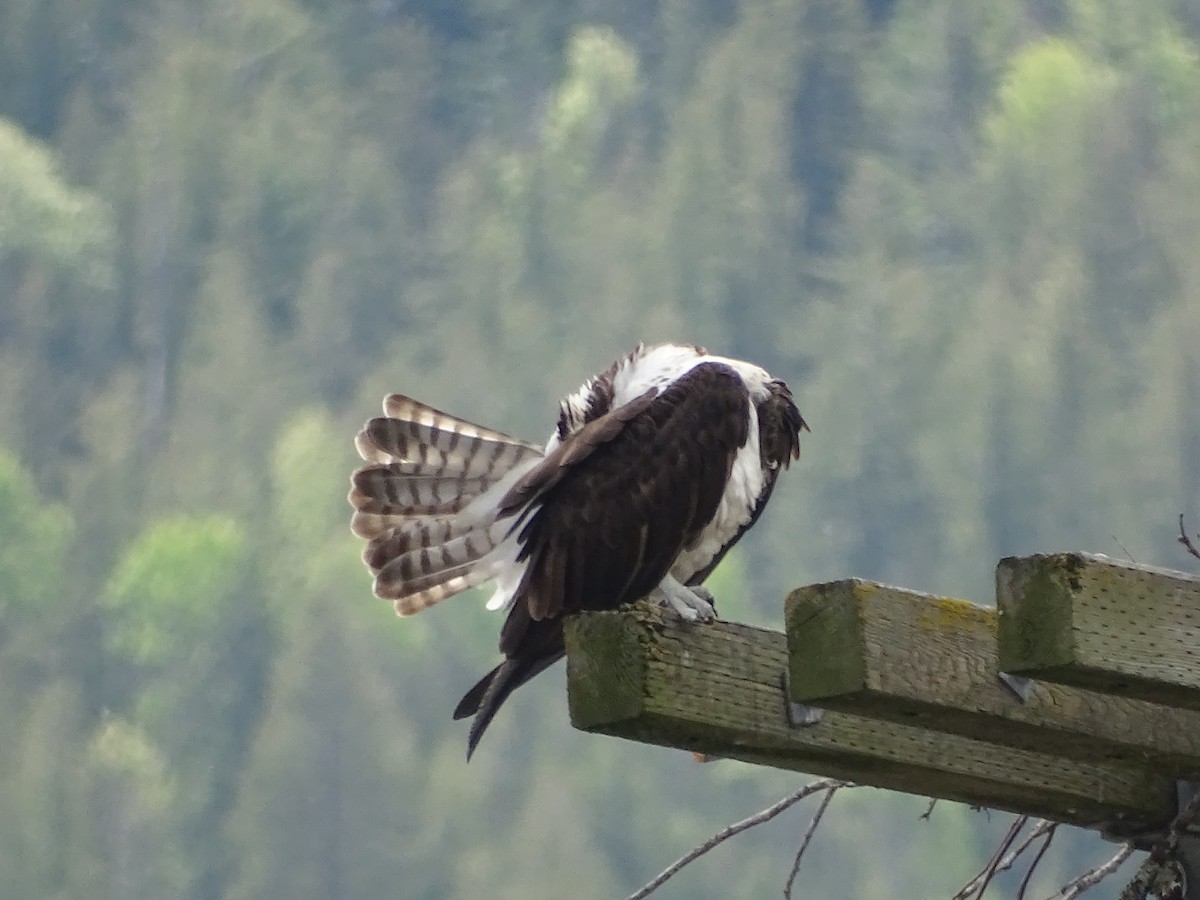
x=967, y=232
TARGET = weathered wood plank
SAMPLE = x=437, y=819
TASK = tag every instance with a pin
x=912, y=658
x=717, y=689
x=1093, y=622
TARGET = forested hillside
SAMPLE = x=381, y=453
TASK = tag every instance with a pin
x=967, y=232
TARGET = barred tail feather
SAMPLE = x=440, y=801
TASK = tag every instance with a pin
x=418, y=594
x=423, y=416
x=426, y=500
x=394, y=440
x=402, y=534
x=442, y=444
x=373, y=525
x=389, y=490
x=406, y=561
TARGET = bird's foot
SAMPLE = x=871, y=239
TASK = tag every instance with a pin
x=691, y=604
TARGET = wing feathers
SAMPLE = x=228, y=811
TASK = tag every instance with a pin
x=572, y=451
x=603, y=517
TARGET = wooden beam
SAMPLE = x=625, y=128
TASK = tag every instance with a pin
x=717, y=689
x=1093, y=622
x=871, y=649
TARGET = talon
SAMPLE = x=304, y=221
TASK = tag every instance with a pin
x=683, y=611
x=706, y=595
x=690, y=604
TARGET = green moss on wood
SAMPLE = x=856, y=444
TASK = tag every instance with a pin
x=1101, y=624
x=606, y=668
x=932, y=661
x=825, y=639
x=1034, y=597
x=717, y=688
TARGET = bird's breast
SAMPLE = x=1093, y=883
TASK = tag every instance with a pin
x=742, y=490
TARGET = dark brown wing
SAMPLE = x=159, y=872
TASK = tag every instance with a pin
x=615, y=503
x=607, y=513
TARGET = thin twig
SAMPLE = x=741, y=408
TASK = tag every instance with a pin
x=929, y=809
x=1008, y=841
x=1187, y=541
x=1124, y=549
x=1050, y=832
x=1093, y=877
x=977, y=885
x=808, y=836
x=766, y=815
x=973, y=887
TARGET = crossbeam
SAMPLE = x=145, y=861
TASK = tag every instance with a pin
x=719, y=689
x=1093, y=622
x=872, y=649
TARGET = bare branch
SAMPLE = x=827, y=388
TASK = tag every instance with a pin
x=1050, y=832
x=808, y=836
x=1002, y=860
x=980, y=881
x=1185, y=540
x=1158, y=874
x=1124, y=549
x=1093, y=877
x=929, y=809
x=997, y=857
x=766, y=815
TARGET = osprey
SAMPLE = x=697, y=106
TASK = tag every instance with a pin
x=657, y=466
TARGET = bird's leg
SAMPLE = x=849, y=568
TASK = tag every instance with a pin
x=689, y=603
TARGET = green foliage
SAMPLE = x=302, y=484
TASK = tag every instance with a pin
x=310, y=519
x=602, y=75
x=1171, y=67
x=128, y=787
x=34, y=537
x=965, y=232
x=1049, y=85
x=307, y=471
x=172, y=585
x=43, y=217
x=327, y=773
x=42, y=757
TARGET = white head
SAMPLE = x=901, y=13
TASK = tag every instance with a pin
x=645, y=368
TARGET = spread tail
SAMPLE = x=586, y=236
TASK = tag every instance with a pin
x=426, y=501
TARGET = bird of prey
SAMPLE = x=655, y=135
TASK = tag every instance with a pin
x=657, y=466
